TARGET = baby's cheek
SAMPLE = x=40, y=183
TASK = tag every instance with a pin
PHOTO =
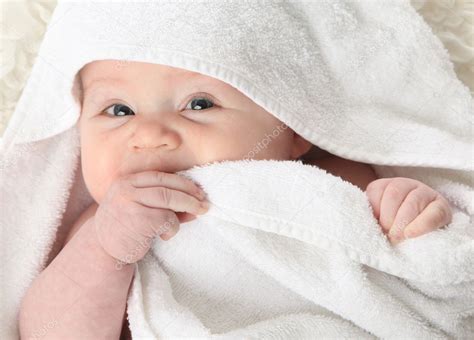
x=91, y=179
x=99, y=172
x=262, y=141
x=276, y=145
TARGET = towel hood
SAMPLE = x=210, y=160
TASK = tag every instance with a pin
x=367, y=81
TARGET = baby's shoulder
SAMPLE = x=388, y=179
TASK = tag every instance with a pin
x=83, y=217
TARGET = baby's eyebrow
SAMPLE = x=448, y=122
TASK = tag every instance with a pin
x=101, y=82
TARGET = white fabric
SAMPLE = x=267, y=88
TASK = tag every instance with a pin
x=367, y=81
x=284, y=239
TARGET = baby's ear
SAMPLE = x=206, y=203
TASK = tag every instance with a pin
x=300, y=146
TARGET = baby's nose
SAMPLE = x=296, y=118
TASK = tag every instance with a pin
x=151, y=134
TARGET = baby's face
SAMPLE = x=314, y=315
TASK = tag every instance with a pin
x=141, y=116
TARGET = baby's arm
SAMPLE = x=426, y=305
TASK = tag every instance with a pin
x=83, y=292
x=81, y=284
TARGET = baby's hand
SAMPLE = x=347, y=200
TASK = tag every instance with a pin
x=140, y=206
x=407, y=208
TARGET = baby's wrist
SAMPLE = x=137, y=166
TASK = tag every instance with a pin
x=86, y=252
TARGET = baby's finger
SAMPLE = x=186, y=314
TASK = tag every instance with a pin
x=165, y=198
x=374, y=192
x=435, y=215
x=392, y=198
x=415, y=202
x=163, y=179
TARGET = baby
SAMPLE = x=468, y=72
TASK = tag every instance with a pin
x=140, y=123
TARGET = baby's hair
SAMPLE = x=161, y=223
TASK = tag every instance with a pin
x=77, y=90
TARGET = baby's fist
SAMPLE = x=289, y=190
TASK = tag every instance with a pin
x=407, y=208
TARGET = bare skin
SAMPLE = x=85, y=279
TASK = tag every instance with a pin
x=129, y=161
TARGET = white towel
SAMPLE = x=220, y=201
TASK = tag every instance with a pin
x=367, y=81
x=288, y=251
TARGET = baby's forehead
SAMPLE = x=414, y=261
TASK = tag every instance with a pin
x=116, y=70
x=102, y=74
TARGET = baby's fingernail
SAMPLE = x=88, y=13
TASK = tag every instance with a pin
x=205, y=206
x=393, y=232
x=409, y=233
x=201, y=194
x=395, y=235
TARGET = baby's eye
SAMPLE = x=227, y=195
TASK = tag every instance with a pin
x=119, y=110
x=200, y=103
